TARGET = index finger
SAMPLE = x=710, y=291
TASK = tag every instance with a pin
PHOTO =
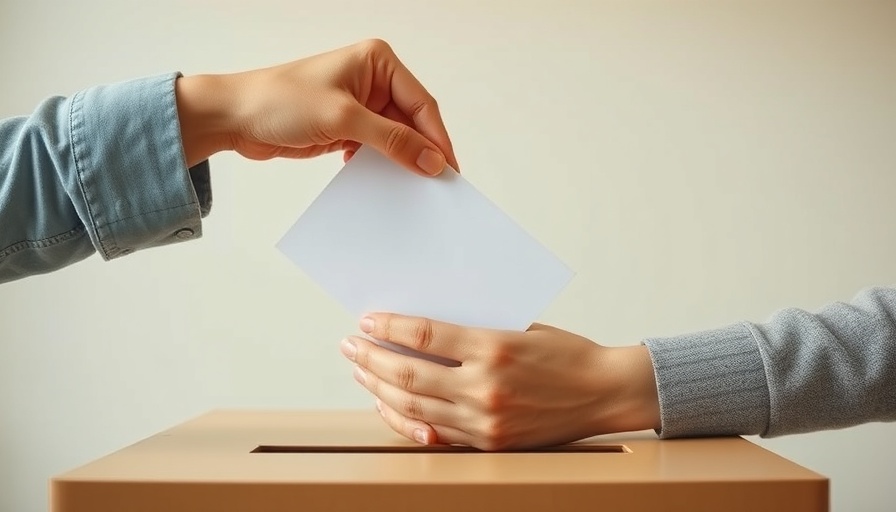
x=423, y=335
x=409, y=95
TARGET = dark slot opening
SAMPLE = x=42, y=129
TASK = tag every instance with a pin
x=569, y=448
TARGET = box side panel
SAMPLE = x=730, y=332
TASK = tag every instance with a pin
x=797, y=496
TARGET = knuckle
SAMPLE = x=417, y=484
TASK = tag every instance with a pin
x=372, y=384
x=397, y=138
x=374, y=45
x=412, y=408
x=423, y=104
x=386, y=327
x=500, y=354
x=494, y=435
x=493, y=399
x=362, y=356
x=407, y=377
x=423, y=335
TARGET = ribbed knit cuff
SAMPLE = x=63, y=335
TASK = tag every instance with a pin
x=710, y=383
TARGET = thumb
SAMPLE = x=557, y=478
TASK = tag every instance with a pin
x=397, y=141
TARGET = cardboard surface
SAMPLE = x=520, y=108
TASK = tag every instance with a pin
x=213, y=463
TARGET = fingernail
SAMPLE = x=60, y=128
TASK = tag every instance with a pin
x=360, y=375
x=379, y=407
x=367, y=324
x=348, y=349
x=420, y=436
x=430, y=161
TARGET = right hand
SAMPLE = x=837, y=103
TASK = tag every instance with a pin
x=512, y=389
x=335, y=101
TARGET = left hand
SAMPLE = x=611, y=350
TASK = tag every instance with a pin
x=512, y=389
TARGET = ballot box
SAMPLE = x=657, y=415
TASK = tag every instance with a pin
x=349, y=461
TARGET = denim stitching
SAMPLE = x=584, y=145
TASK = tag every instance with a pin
x=44, y=242
x=71, y=127
x=141, y=214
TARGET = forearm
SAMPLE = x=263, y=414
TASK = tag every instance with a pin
x=39, y=225
x=832, y=369
x=798, y=372
x=102, y=171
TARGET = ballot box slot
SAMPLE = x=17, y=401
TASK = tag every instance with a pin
x=570, y=448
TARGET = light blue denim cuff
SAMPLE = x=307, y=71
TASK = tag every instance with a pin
x=133, y=189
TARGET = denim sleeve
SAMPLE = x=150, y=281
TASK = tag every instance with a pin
x=102, y=170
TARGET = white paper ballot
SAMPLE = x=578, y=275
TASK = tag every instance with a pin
x=380, y=238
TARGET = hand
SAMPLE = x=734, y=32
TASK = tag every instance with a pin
x=512, y=389
x=361, y=94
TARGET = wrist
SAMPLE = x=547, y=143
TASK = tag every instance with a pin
x=205, y=113
x=630, y=390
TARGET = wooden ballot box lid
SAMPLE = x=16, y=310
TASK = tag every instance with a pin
x=278, y=461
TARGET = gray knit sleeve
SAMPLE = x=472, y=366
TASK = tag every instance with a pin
x=798, y=372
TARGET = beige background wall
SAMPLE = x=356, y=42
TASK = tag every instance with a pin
x=697, y=163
